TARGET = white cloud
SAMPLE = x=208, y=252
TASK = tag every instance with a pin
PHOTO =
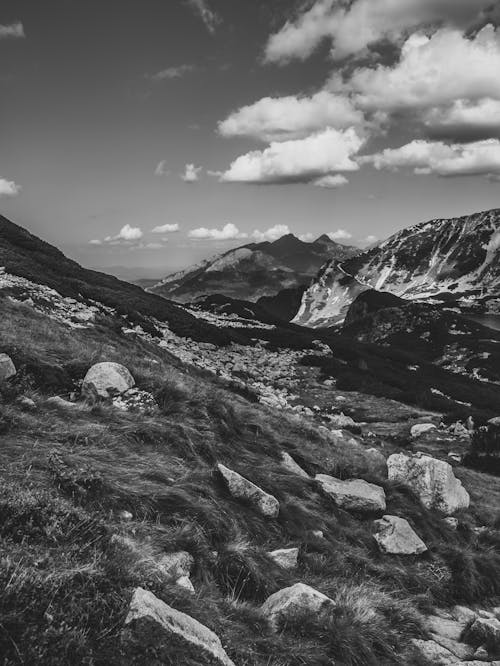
x=8, y=188
x=331, y=182
x=354, y=26
x=228, y=232
x=370, y=240
x=425, y=157
x=465, y=119
x=12, y=31
x=280, y=118
x=191, y=173
x=161, y=168
x=340, y=234
x=271, y=234
x=432, y=72
x=306, y=238
x=95, y=241
x=300, y=160
x=207, y=15
x=129, y=233
x=165, y=228
x=176, y=72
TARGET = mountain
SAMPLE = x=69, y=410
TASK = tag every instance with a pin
x=447, y=260
x=254, y=270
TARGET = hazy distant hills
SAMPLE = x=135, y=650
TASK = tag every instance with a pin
x=255, y=270
x=456, y=261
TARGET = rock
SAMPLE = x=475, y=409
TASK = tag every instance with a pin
x=243, y=489
x=319, y=534
x=185, y=582
x=26, y=403
x=57, y=401
x=176, y=565
x=460, y=431
x=135, y=400
x=353, y=495
x=395, y=536
x=481, y=654
x=420, y=428
x=285, y=557
x=107, y=379
x=125, y=516
x=299, y=599
x=341, y=420
x=376, y=462
x=434, y=653
x=7, y=367
x=485, y=630
x=431, y=480
x=289, y=463
x=451, y=522
x=457, y=648
x=153, y=627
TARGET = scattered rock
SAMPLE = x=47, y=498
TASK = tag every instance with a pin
x=434, y=653
x=319, y=534
x=177, y=565
x=153, y=626
x=107, y=379
x=341, y=420
x=457, y=648
x=376, y=462
x=125, y=516
x=395, y=536
x=185, y=582
x=481, y=654
x=289, y=463
x=354, y=494
x=26, y=403
x=285, y=557
x=420, y=428
x=243, y=489
x=135, y=400
x=299, y=599
x=451, y=522
x=7, y=367
x=431, y=480
x=57, y=401
x=485, y=630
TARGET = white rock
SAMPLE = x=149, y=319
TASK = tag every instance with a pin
x=107, y=379
x=153, y=624
x=185, y=582
x=285, y=557
x=431, y=480
x=297, y=599
x=341, y=420
x=354, y=494
x=61, y=402
x=421, y=428
x=7, y=367
x=395, y=536
x=289, y=463
x=435, y=653
x=244, y=489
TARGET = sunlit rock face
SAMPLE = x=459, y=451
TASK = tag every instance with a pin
x=458, y=258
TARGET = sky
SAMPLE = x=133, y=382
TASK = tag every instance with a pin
x=149, y=135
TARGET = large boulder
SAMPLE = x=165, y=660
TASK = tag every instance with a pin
x=243, y=489
x=431, y=480
x=395, y=536
x=354, y=494
x=107, y=380
x=7, y=367
x=154, y=633
x=485, y=630
x=295, y=601
x=434, y=653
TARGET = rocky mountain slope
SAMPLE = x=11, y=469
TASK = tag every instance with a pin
x=455, y=261
x=255, y=270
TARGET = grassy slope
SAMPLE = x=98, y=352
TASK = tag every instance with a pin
x=64, y=478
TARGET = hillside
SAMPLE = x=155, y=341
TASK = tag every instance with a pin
x=449, y=260
x=255, y=270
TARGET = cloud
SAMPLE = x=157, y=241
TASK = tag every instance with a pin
x=370, y=240
x=291, y=117
x=340, y=234
x=228, y=232
x=307, y=237
x=464, y=121
x=331, y=182
x=8, y=188
x=431, y=72
x=353, y=26
x=300, y=160
x=161, y=169
x=95, y=241
x=165, y=229
x=12, y=31
x=207, y=15
x=271, y=234
x=426, y=157
x=191, y=173
x=127, y=235
x=170, y=73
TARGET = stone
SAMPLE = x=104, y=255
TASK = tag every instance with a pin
x=57, y=401
x=434, y=653
x=376, y=462
x=481, y=654
x=485, y=630
x=395, y=536
x=26, y=403
x=285, y=557
x=154, y=627
x=451, y=522
x=319, y=534
x=7, y=367
x=354, y=494
x=420, y=428
x=185, y=582
x=297, y=600
x=289, y=464
x=176, y=565
x=107, y=379
x=457, y=648
x=135, y=400
x=243, y=489
x=125, y=516
x=432, y=480
x=341, y=420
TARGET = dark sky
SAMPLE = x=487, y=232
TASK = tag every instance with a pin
x=95, y=95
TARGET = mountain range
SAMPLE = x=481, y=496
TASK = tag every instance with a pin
x=454, y=261
x=255, y=270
